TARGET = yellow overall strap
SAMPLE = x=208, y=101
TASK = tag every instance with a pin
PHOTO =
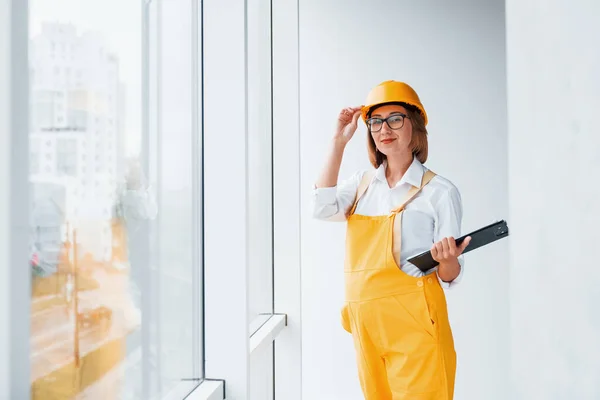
x=427, y=177
x=362, y=188
x=397, y=215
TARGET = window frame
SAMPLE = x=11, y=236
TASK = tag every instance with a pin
x=227, y=344
x=259, y=42
x=229, y=339
x=14, y=200
x=287, y=196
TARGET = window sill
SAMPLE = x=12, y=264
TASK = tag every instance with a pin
x=267, y=333
x=208, y=390
x=258, y=323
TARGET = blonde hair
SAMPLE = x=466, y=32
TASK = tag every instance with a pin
x=418, y=143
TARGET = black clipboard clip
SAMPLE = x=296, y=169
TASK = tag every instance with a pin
x=479, y=238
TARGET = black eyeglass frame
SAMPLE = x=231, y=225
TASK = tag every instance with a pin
x=385, y=120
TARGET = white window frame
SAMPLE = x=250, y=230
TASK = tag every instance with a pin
x=229, y=340
x=15, y=303
x=259, y=48
x=287, y=202
x=225, y=196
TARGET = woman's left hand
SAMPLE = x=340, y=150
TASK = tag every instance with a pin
x=446, y=253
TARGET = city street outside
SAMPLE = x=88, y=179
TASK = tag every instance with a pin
x=107, y=316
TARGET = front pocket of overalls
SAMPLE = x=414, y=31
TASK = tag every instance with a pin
x=415, y=305
x=430, y=317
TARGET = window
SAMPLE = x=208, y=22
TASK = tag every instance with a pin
x=116, y=261
x=174, y=147
x=260, y=192
x=260, y=163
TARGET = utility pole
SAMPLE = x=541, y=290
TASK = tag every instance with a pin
x=76, y=297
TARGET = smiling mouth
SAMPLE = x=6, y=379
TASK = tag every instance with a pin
x=386, y=141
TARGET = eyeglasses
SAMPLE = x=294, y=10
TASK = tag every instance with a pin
x=395, y=122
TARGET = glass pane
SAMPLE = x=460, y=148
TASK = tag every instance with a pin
x=260, y=165
x=112, y=226
x=174, y=235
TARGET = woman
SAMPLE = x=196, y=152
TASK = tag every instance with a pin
x=396, y=314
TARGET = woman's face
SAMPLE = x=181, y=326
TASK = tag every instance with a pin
x=391, y=132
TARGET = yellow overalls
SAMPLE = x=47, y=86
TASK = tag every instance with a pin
x=399, y=323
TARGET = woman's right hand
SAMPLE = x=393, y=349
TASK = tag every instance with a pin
x=347, y=124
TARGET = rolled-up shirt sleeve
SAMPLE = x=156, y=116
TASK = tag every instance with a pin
x=448, y=224
x=332, y=203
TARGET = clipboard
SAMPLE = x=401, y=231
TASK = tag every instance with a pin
x=479, y=238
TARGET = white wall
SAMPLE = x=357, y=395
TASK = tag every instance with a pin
x=453, y=55
x=554, y=164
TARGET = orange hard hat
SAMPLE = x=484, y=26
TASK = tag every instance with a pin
x=392, y=92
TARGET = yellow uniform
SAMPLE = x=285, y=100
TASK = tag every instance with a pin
x=402, y=336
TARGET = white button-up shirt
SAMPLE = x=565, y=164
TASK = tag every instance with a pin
x=435, y=213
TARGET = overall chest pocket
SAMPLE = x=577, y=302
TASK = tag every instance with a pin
x=367, y=239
